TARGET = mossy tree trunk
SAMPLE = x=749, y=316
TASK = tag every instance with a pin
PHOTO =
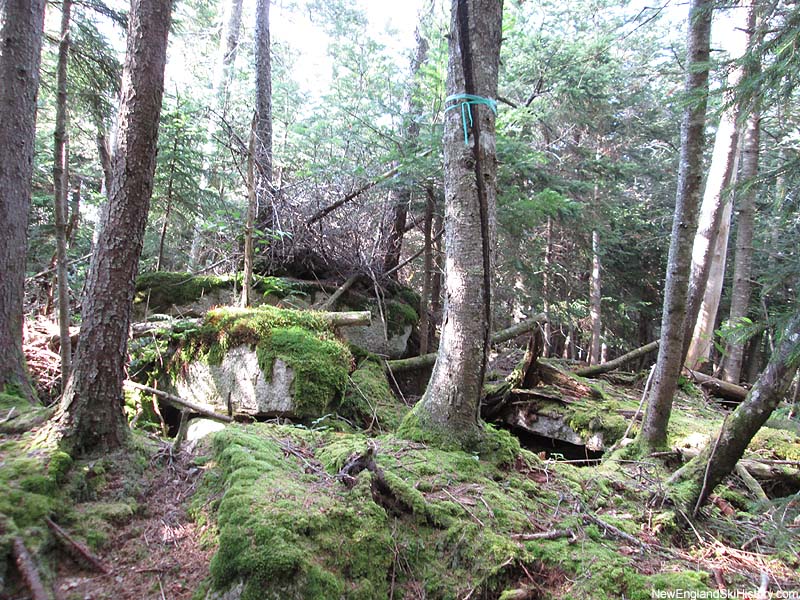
x=21, y=25
x=653, y=434
x=90, y=417
x=449, y=410
x=695, y=481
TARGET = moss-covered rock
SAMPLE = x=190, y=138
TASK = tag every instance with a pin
x=264, y=361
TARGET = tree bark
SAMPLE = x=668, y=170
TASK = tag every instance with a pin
x=742, y=266
x=450, y=408
x=653, y=434
x=90, y=417
x=427, y=273
x=263, y=126
x=170, y=185
x=546, y=285
x=252, y=203
x=718, y=459
x=720, y=173
x=21, y=24
x=61, y=190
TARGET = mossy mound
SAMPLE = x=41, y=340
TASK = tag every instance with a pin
x=289, y=528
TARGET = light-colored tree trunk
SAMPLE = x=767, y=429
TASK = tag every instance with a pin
x=21, y=25
x=448, y=413
x=718, y=459
x=90, y=418
x=546, y=285
x=595, y=299
x=427, y=272
x=718, y=181
x=162, y=238
x=61, y=190
x=653, y=434
x=703, y=333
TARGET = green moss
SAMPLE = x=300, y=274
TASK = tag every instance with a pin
x=9, y=401
x=589, y=418
x=774, y=443
x=164, y=289
x=368, y=400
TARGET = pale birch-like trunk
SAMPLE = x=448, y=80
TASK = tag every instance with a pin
x=546, y=285
x=449, y=411
x=90, y=417
x=653, y=434
x=595, y=299
x=718, y=181
x=21, y=25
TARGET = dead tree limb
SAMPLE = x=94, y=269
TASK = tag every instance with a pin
x=330, y=303
x=180, y=403
x=595, y=370
x=717, y=387
x=553, y=534
x=29, y=571
x=324, y=212
x=75, y=549
x=418, y=362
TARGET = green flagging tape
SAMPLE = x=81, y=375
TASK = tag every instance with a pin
x=465, y=101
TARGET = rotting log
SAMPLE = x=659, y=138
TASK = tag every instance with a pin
x=717, y=387
x=347, y=319
x=758, y=469
x=75, y=549
x=426, y=360
x=181, y=403
x=595, y=370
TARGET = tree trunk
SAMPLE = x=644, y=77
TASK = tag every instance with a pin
x=170, y=185
x=718, y=459
x=427, y=273
x=653, y=434
x=595, y=298
x=263, y=127
x=450, y=408
x=61, y=188
x=229, y=45
x=742, y=266
x=413, y=111
x=247, y=277
x=546, y=285
x=438, y=274
x=21, y=24
x=719, y=177
x=90, y=417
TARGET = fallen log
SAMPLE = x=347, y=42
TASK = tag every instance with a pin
x=717, y=387
x=180, y=403
x=426, y=360
x=334, y=298
x=595, y=370
x=755, y=468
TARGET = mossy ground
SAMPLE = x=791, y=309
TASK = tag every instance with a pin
x=288, y=528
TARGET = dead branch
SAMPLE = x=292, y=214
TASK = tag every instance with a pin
x=595, y=370
x=331, y=302
x=717, y=387
x=418, y=362
x=181, y=403
x=76, y=549
x=322, y=213
x=553, y=534
x=29, y=571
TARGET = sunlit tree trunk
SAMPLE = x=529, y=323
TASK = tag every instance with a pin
x=449, y=410
x=90, y=417
x=653, y=434
x=162, y=237
x=595, y=299
x=61, y=187
x=21, y=24
x=718, y=180
x=718, y=459
x=546, y=285
x=247, y=277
